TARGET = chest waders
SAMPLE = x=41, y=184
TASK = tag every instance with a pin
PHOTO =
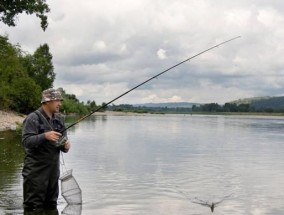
x=41, y=168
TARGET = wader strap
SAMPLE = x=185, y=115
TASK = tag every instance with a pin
x=41, y=118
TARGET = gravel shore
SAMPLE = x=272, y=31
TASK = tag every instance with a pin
x=9, y=120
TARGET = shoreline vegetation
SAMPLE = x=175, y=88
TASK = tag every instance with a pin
x=10, y=120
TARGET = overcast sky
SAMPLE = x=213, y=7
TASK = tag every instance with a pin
x=101, y=48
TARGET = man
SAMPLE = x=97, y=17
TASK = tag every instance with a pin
x=41, y=165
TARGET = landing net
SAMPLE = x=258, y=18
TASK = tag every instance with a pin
x=70, y=189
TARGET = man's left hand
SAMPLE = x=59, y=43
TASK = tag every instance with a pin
x=67, y=145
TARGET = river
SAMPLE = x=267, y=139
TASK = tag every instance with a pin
x=164, y=164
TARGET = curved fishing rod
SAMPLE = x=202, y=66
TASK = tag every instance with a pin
x=139, y=85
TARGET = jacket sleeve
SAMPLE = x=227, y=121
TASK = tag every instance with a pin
x=30, y=133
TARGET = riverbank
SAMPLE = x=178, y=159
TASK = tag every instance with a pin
x=9, y=120
x=129, y=113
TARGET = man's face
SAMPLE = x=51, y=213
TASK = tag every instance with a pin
x=54, y=106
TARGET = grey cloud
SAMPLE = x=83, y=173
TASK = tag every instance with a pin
x=81, y=58
x=98, y=45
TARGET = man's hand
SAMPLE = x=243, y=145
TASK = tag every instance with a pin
x=67, y=145
x=52, y=135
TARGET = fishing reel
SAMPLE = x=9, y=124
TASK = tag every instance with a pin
x=61, y=141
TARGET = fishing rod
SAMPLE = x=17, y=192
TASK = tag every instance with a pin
x=139, y=85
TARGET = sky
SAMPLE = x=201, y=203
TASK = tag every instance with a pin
x=102, y=48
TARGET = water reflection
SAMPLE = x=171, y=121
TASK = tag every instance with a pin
x=11, y=158
x=68, y=210
x=41, y=212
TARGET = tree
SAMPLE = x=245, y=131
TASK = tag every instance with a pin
x=10, y=70
x=74, y=107
x=104, y=108
x=230, y=107
x=39, y=67
x=25, y=95
x=243, y=107
x=9, y=9
x=71, y=104
x=18, y=91
x=195, y=108
x=211, y=107
x=91, y=105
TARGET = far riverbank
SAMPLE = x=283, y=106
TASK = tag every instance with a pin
x=191, y=113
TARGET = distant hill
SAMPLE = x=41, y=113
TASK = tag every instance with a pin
x=273, y=103
x=259, y=104
x=263, y=103
x=168, y=105
x=250, y=100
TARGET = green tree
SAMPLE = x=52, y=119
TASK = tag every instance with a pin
x=195, y=108
x=230, y=107
x=25, y=94
x=91, y=105
x=71, y=97
x=39, y=67
x=18, y=91
x=10, y=69
x=72, y=105
x=9, y=9
x=243, y=107
x=104, y=108
x=211, y=107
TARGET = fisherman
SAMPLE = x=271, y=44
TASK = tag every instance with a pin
x=41, y=165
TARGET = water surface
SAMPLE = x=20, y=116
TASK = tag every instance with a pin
x=154, y=164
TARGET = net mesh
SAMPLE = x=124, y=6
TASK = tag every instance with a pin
x=70, y=189
x=72, y=210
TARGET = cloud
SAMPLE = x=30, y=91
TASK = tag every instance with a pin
x=161, y=53
x=101, y=48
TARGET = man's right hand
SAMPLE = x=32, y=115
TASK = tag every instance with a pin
x=52, y=135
